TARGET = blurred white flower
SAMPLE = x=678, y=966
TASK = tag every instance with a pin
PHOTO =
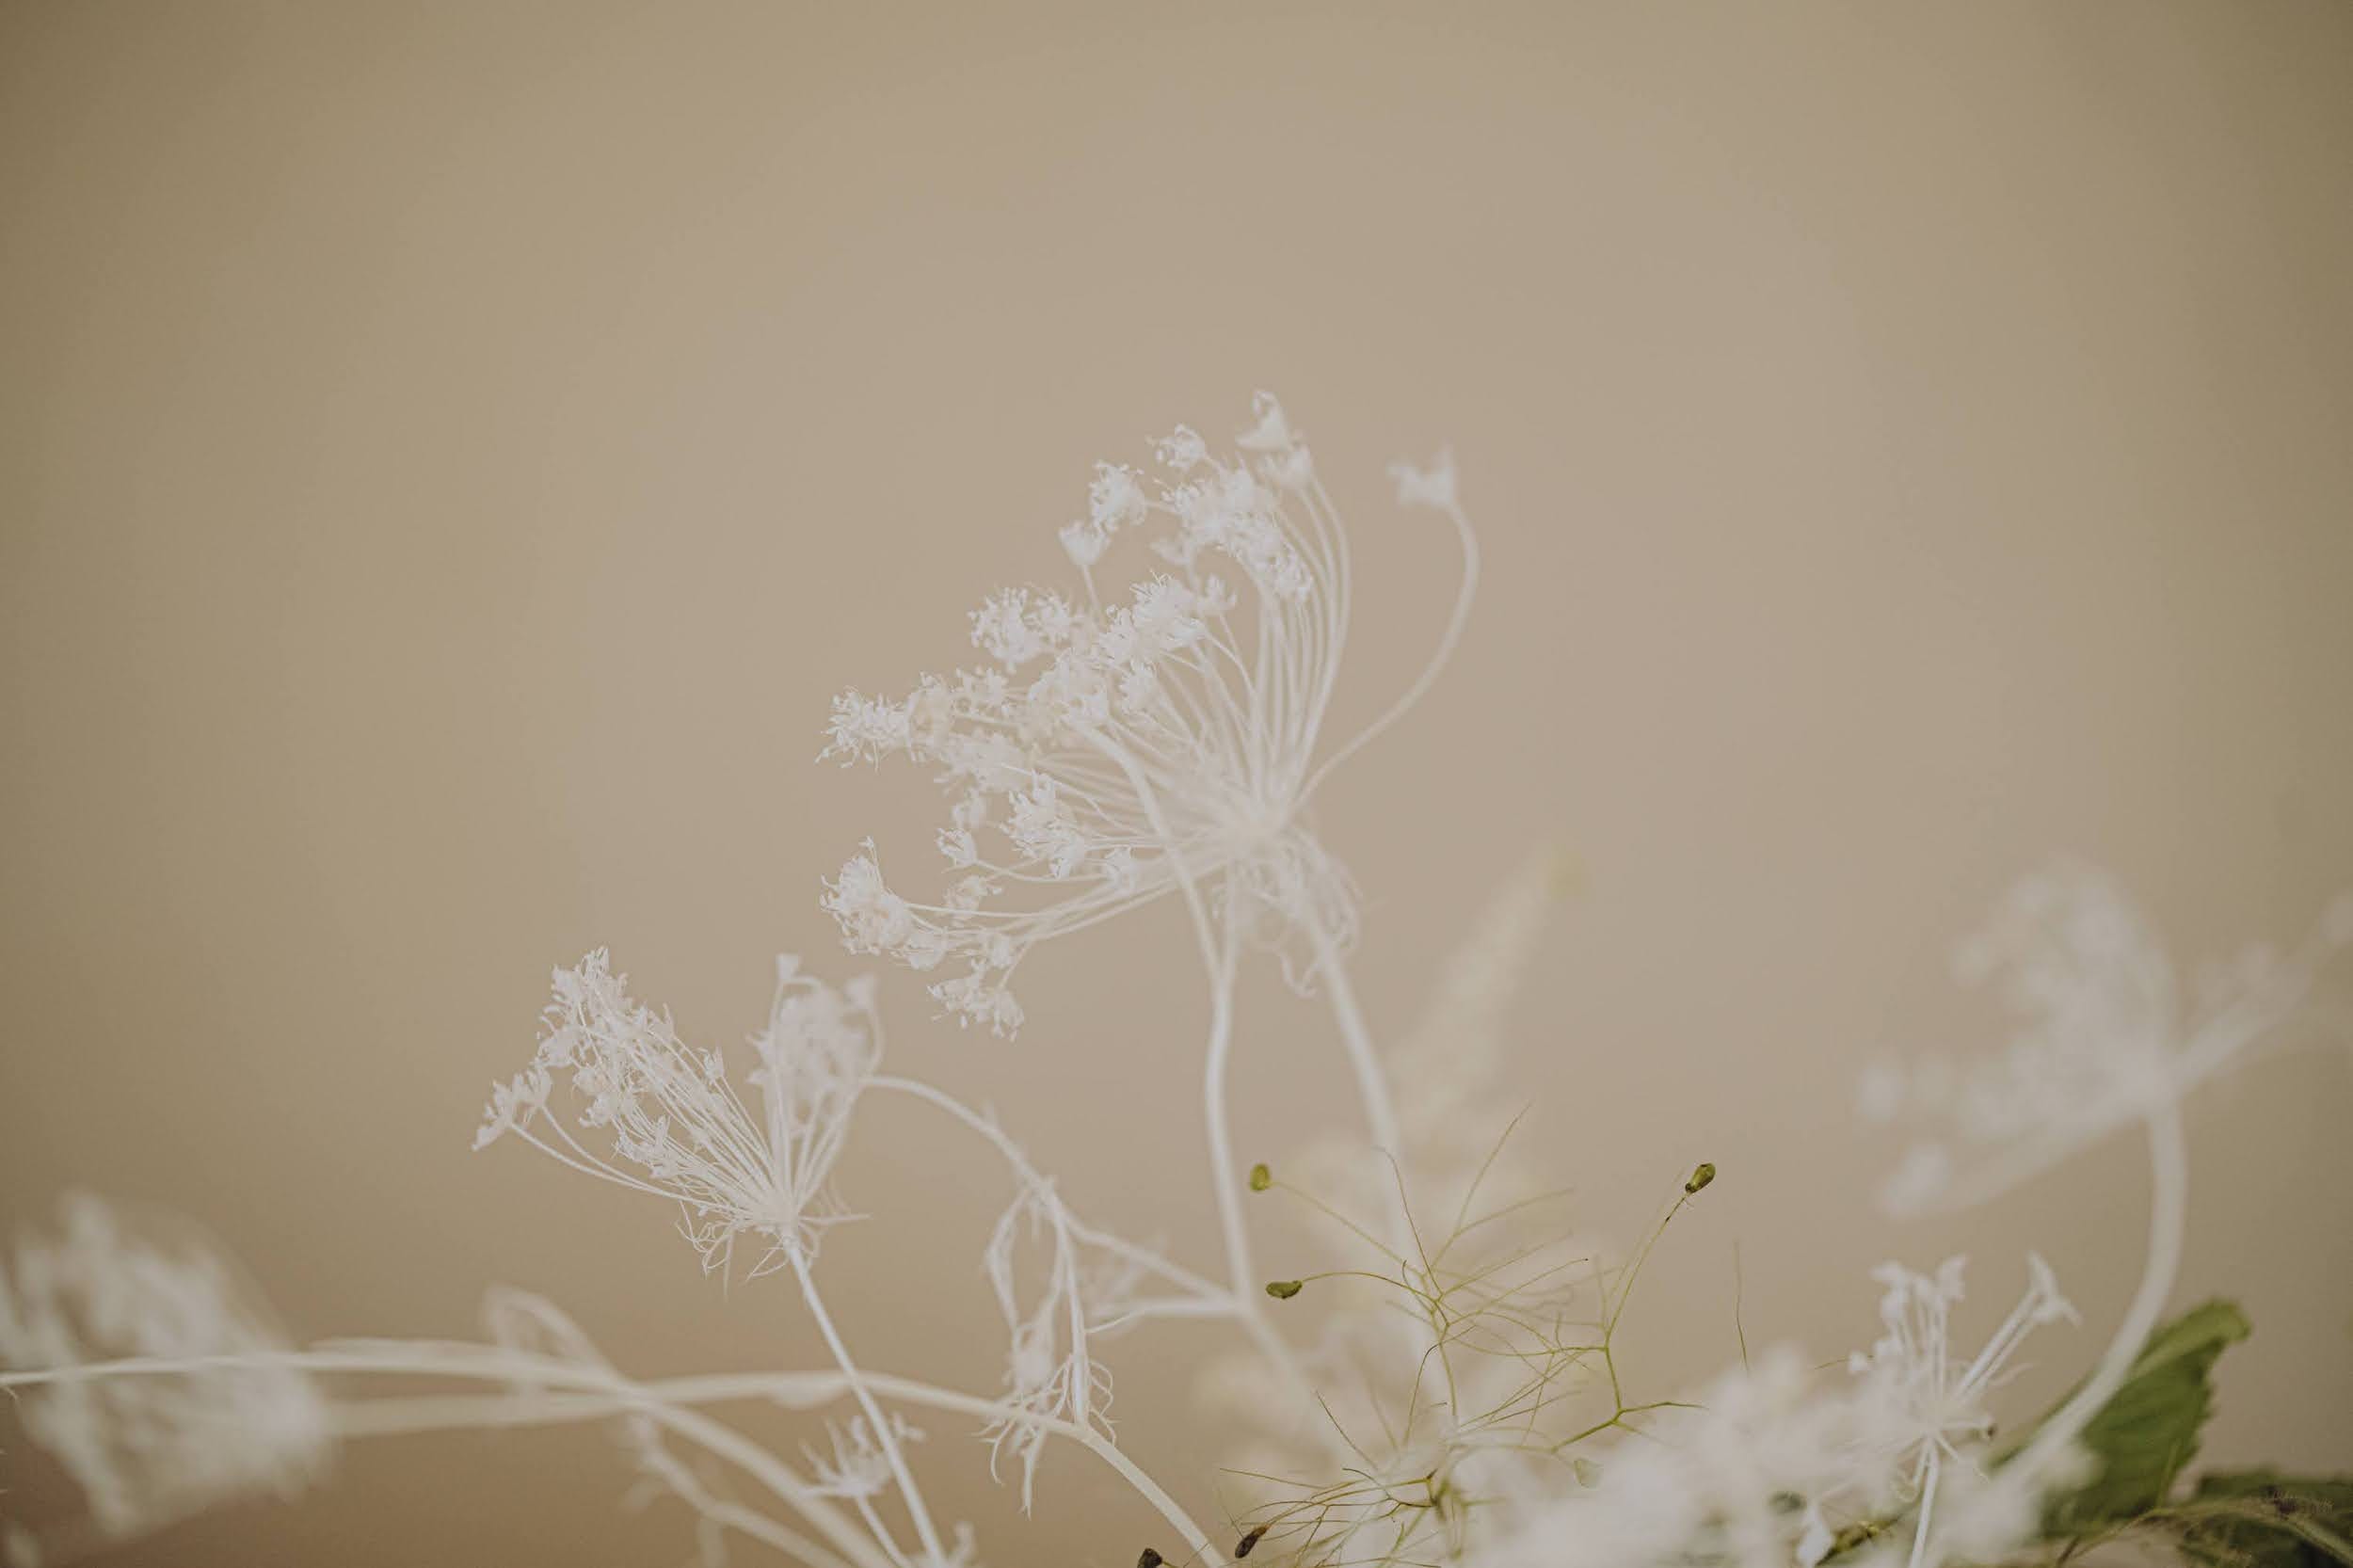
x=1775, y=1466
x=757, y=1162
x=1740, y=1478
x=2104, y=1037
x=1936, y=1411
x=150, y=1449
x=1123, y=745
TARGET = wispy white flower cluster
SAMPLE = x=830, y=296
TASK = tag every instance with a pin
x=1944, y=1403
x=1773, y=1464
x=756, y=1161
x=2104, y=1035
x=148, y=1450
x=1938, y=1408
x=1736, y=1480
x=1122, y=743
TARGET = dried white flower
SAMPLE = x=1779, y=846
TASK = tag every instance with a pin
x=2102, y=1039
x=757, y=1162
x=149, y=1449
x=1740, y=1478
x=1938, y=1406
x=1121, y=746
x=1772, y=1463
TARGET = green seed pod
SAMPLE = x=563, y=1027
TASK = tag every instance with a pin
x=1699, y=1179
x=1283, y=1289
x=1261, y=1177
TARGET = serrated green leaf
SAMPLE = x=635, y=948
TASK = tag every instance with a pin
x=2149, y=1429
x=2262, y=1519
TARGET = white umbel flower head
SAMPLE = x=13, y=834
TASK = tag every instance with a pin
x=755, y=1161
x=149, y=1450
x=1934, y=1421
x=1125, y=741
x=1938, y=1408
x=2103, y=1038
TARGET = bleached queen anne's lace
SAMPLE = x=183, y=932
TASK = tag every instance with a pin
x=756, y=1161
x=2103, y=1034
x=1118, y=746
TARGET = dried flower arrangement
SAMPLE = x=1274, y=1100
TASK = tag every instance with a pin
x=1460, y=1400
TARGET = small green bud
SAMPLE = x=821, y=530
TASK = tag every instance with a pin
x=1283, y=1289
x=1261, y=1177
x=1699, y=1177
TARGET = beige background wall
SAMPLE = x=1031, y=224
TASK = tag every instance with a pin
x=448, y=457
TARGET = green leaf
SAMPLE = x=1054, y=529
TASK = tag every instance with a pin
x=2149, y=1429
x=2262, y=1519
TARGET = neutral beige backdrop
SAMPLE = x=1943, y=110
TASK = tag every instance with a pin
x=448, y=456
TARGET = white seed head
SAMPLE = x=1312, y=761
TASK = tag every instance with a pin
x=758, y=1161
x=1121, y=744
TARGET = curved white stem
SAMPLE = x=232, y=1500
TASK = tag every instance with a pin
x=778, y=1476
x=1445, y=651
x=1928, y=1512
x=2168, y=1209
x=944, y=1399
x=1220, y=958
x=935, y=1555
x=1364, y=1060
x=592, y=1393
x=1240, y=1274
x=1206, y=1298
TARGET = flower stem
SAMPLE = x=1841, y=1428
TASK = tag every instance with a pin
x=935, y=1555
x=2169, y=1214
x=1373, y=1083
x=591, y=1393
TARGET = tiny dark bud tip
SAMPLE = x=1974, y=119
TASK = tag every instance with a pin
x=1243, y=1546
x=1150, y=1558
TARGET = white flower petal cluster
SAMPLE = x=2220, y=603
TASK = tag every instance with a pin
x=1120, y=744
x=1938, y=1406
x=2103, y=1038
x=1773, y=1464
x=149, y=1449
x=1742, y=1479
x=751, y=1160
